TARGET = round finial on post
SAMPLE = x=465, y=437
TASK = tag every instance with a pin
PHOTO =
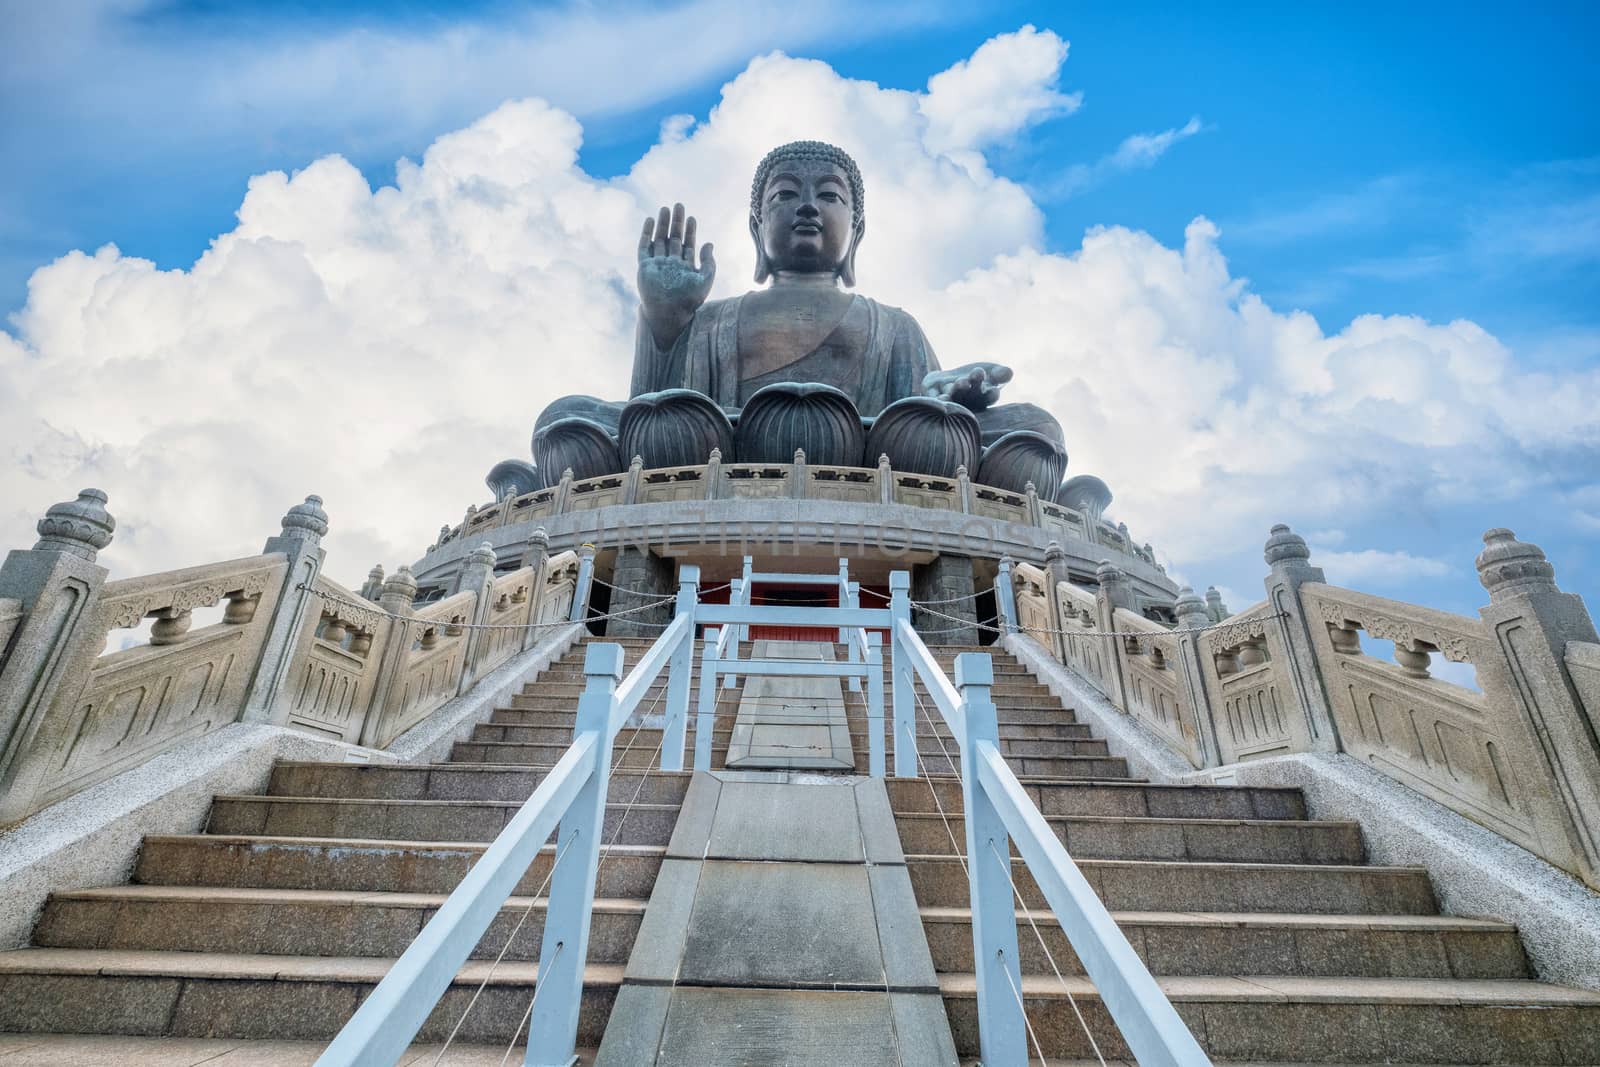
x=401, y=588
x=636, y=464
x=80, y=527
x=306, y=522
x=1108, y=572
x=375, y=575
x=1054, y=553
x=482, y=556
x=715, y=457
x=539, y=539
x=1284, y=545
x=1507, y=566
x=1190, y=609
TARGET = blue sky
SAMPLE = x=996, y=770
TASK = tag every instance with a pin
x=1430, y=160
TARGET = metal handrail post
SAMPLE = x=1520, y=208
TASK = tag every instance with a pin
x=749, y=594
x=675, y=733
x=905, y=727
x=580, y=592
x=1002, y=1029
x=1005, y=596
x=738, y=594
x=875, y=765
x=706, y=706
x=853, y=596
x=844, y=594
x=553, y=1025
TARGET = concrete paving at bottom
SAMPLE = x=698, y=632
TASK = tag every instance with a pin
x=782, y=929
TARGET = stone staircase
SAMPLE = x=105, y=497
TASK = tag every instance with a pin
x=1273, y=936
x=278, y=920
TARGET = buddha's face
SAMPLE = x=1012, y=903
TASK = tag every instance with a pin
x=806, y=217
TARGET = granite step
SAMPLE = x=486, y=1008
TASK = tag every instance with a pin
x=254, y=862
x=1123, y=837
x=934, y=761
x=456, y=781
x=413, y=820
x=1312, y=1019
x=283, y=922
x=204, y=994
x=1054, y=796
x=1168, y=885
x=1221, y=943
x=513, y=753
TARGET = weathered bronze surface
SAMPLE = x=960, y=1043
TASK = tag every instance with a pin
x=807, y=219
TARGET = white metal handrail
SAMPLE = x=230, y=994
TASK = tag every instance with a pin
x=996, y=812
x=570, y=801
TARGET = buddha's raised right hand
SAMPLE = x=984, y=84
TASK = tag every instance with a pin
x=671, y=288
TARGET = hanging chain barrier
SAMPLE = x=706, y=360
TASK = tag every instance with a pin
x=1163, y=632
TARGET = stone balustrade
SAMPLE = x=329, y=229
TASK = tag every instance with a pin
x=291, y=647
x=798, y=480
x=1292, y=674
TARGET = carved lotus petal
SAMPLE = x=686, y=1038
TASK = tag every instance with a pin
x=925, y=435
x=1020, y=457
x=818, y=419
x=1086, y=493
x=514, y=477
x=674, y=428
x=577, y=443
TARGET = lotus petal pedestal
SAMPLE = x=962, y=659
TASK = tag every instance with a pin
x=925, y=435
x=673, y=428
x=788, y=416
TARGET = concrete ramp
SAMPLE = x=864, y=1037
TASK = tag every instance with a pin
x=782, y=930
x=791, y=723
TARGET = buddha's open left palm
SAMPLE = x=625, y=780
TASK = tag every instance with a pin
x=671, y=287
x=975, y=386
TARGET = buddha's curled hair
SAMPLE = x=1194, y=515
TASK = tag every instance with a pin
x=811, y=151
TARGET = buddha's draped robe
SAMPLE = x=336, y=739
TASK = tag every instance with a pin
x=875, y=353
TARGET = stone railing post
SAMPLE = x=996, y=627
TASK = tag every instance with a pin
x=478, y=576
x=885, y=480
x=1005, y=597
x=57, y=583
x=674, y=733
x=714, y=474
x=1215, y=608
x=1531, y=622
x=1055, y=565
x=797, y=475
x=1035, y=512
x=399, y=592
x=1114, y=593
x=1191, y=612
x=580, y=593
x=372, y=588
x=534, y=556
x=563, y=493
x=630, y=484
x=964, y=489
x=300, y=539
x=1289, y=558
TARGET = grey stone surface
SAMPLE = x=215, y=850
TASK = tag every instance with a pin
x=659, y=948
x=948, y=578
x=640, y=577
x=758, y=1027
x=784, y=822
x=791, y=722
x=799, y=925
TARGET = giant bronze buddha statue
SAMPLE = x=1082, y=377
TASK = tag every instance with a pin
x=800, y=364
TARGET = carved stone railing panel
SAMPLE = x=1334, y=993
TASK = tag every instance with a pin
x=592, y=493
x=334, y=676
x=1155, y=689
x=431, y=663
x=1441, y=739
x=940, y=494
x=136, y=703
x=1240, y=660
x=1063, y=521
x=755, y=481
x=673, y=483
x=999, y=504
x=854, y=484
x=1087, y=655
x=1033, y=605
x=511, y=601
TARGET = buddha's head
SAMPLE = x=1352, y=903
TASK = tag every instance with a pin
x=806, y=211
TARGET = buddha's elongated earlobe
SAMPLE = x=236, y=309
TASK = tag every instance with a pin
x=847, y=269
x=763, y=268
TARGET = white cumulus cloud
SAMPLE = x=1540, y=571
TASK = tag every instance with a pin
x=383, y=347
